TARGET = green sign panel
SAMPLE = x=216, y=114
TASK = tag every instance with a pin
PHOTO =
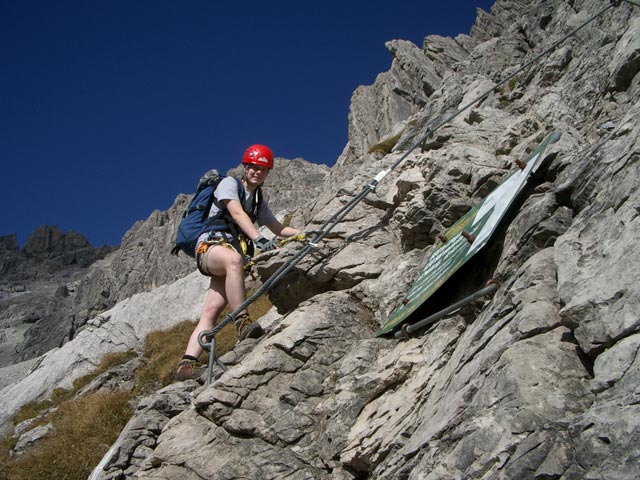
x=464, y=239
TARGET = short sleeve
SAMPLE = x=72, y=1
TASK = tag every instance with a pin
x=227, y=189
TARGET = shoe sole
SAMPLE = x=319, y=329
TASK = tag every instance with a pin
x=181, y=377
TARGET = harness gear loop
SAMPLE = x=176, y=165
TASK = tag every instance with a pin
x=223, y=223
x=202, y=248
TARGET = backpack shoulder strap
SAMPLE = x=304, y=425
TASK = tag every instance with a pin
x=240, y=189
x=257, y=199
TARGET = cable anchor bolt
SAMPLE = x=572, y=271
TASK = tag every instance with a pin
x=468, y=237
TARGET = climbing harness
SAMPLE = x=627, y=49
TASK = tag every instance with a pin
x=206, y=338
x=196, y=222
x=239, y=245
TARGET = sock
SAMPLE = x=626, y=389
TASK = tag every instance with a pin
x=189, y=358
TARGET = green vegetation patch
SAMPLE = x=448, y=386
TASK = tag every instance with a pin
x=386, y=145
x=86, y=427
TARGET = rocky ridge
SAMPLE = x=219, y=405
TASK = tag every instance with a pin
x=58, y=282
x=538, y=382
x=36, y=285
x=143, y=262
x=55, y=290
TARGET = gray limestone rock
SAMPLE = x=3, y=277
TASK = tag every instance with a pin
x=143, y=261
x=122, y=328
x=31, y=437
x=539, y=381
x=525, y=387
x=273, y=400
x=626, y=62
x=138, y=438
x=36, y=285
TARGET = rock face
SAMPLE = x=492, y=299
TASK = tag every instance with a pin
x=68, y=249
x=46, y=305
x=36, y=285
x=143, y=261
x=536, y=383
x=292, y=188
x=58, y=282
x=47, y=250
x=539, y=381
x=122, y=328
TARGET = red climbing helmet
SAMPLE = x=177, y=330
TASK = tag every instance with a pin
x=258, y=155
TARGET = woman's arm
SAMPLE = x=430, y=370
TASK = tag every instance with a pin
x=241, y=219
x=282, y=231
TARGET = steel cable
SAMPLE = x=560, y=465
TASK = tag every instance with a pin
x=328, y=225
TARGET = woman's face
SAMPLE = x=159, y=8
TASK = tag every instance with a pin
x=255, y=174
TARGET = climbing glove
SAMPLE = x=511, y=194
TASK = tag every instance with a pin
x=264, y=244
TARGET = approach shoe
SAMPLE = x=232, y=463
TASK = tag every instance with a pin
x=189, y=370
x=248, y=329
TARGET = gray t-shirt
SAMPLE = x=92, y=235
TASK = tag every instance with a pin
x=228, y=190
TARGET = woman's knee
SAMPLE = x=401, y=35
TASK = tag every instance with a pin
x=226, y=260
x=235, y=261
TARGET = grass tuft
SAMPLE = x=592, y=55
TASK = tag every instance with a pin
x=109, y=361
x=59, y=395
x=164, y=348
x=386, y=145
x=86, y=427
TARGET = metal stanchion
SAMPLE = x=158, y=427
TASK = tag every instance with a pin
x=407, y=329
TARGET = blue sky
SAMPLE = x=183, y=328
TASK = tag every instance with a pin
x=109, y=109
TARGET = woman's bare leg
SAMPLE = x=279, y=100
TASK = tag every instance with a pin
x=214, y=303
x=227, y=285
x=224, y=261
